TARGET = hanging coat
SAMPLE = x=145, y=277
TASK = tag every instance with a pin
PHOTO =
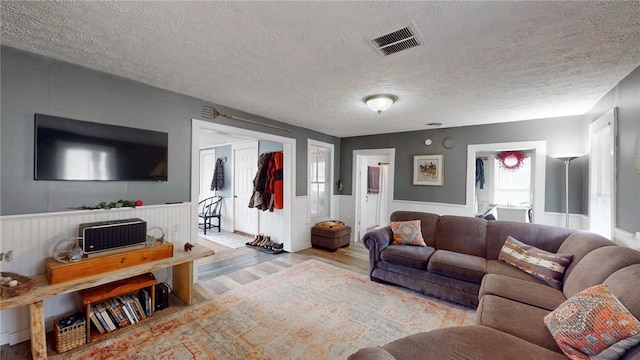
x=480, y=173
x=278, y=190
x=217, y=183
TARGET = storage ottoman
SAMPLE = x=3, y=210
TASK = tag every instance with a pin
x=330, y=238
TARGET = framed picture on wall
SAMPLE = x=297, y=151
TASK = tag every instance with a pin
x=428, y=170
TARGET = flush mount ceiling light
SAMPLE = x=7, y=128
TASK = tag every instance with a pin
x=380, y=102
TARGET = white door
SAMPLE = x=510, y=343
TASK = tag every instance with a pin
x=207, y=165
x=368, y=212
x=245, y=166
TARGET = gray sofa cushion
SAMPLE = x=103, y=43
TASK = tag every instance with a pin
x=535, y=294
x=596, y=266
x=501, y=268
x=458, y=266
x=371, y=353
x=624, y=284
x=461, y=343
x=580, y=244
x=518, y=319
x=415, y=257
x=464, y=235
x=543, y=237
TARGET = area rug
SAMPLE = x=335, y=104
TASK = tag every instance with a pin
x=225, y=238
x=311, y=310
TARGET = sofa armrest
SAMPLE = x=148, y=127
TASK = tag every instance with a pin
x=377, y=240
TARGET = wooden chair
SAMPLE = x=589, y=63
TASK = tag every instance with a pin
x=210, y=208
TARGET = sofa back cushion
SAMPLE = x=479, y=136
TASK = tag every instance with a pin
x=428, y=223
x=466, y=235
x=543, y=237
x=597, y=266
x=580, y=244
x=623, y=284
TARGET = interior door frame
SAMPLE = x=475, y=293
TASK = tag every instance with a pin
x=289, y=170
x=358, y=155
x=538, y=168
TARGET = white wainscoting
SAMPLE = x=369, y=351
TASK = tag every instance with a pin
x=429, y=207
x=31, y=237
x=272, y=224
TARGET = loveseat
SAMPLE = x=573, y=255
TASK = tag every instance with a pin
x=463, y=262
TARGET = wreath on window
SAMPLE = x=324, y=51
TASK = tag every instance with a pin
x=511, y=160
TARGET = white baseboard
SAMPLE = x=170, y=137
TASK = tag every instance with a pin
x=15, y=337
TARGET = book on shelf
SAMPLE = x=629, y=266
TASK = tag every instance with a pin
x=95, y=321
x=104, y=314
x=116, y=311
x=98, y=316
x=125, y=309
x=145, y=300
x=135, y=305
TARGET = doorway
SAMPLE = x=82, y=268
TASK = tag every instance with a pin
x=372, y=204
x=538, y=169
x=277, y=222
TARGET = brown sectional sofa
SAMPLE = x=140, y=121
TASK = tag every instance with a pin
x=460, y=264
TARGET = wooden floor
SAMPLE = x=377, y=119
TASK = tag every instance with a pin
x=245, y=265
x=226, y=270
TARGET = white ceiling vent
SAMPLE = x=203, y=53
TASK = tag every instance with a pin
x=397, y=41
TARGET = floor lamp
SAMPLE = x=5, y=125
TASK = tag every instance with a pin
x=567, y=159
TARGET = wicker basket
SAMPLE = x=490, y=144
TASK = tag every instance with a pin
x=70, y=337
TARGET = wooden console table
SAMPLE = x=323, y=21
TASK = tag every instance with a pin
x=182, y=263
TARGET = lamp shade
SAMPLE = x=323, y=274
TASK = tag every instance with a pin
x=379, y=103
x=567, y=156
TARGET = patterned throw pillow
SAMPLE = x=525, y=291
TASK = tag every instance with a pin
x=541, y=264
x=407, y=233
x=593, y=324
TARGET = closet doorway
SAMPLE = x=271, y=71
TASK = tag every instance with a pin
x=277, y=223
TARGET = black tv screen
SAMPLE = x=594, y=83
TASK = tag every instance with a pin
x=67, y=149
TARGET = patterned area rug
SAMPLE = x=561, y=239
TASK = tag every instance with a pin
x=225, y=238
x=311, y=310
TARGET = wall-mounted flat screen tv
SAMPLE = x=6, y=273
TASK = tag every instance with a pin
x=67, y=149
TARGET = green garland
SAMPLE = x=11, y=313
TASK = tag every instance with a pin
x=111, y=205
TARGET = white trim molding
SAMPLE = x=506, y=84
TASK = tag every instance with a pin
x=625, y=238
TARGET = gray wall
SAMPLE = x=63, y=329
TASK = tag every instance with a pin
x=626, y=97
x=560, y=134
x=36, y=84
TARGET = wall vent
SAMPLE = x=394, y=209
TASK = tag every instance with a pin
x=397, y=41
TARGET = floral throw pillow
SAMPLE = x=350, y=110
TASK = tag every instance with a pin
x=593, y=324
x=546, y=266
x=407, y=233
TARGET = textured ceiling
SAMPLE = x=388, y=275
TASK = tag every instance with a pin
x=310, y=64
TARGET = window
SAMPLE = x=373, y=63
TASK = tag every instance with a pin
x=602, y=175
x=512, y=187
x=320, y=157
